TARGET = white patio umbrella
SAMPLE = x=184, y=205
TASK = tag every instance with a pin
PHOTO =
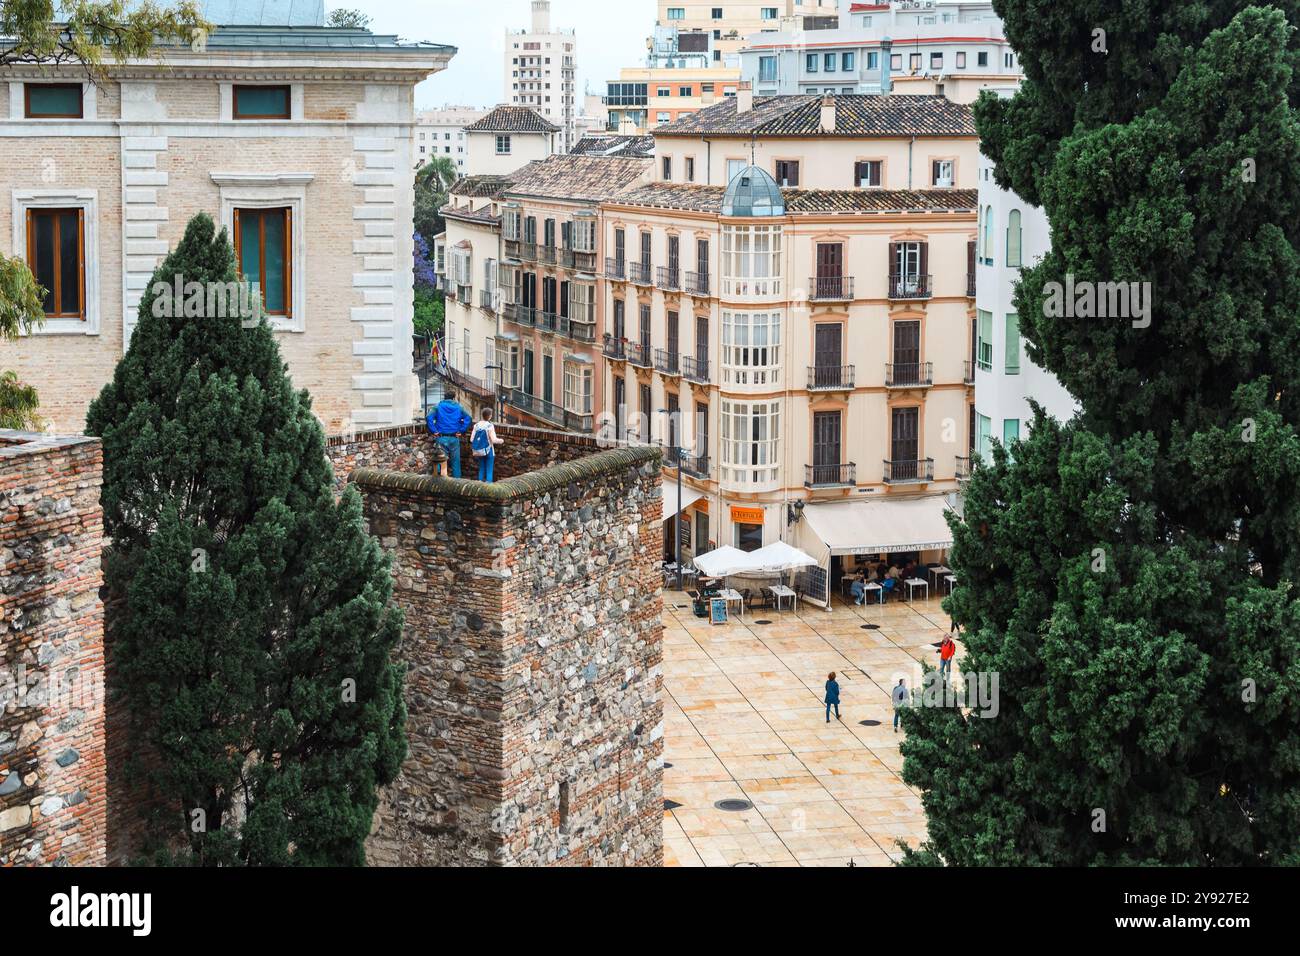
x=723, y=561
x=780, y=557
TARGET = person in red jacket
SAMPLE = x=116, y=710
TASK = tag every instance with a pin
x=947, y=650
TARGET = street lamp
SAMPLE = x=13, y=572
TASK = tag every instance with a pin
x=677, y=519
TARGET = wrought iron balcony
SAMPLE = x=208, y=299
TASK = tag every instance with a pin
x=697, y=465
x=970, y=285
x=546, y=254
x=910, y=286
x=578, y=260
x=909, y=374
x=525, y=315
x=528, y=251
x=578, y=331
x=695, y=369
x=697, y=283
x=909, y=472
x=830, y=378
x=830, y=476
x=512, y=248
x=546, y=411
x=668, y=279
x=830, y=289
x=638, y=354
x=614, y=348
x=639, y=272
x=667, y=362
x=615, y=268
x=546, y=321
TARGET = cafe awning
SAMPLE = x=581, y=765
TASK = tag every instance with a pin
x=880, y=527
x=689, y=497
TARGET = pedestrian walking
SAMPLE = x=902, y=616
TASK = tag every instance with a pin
x=482, y=443
x=900, y=701
x=832, y=697
x=947, y=650
x=447, y=422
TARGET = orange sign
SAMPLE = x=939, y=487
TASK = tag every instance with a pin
x=747, y=515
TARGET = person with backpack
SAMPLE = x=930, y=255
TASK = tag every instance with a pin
x=483, y=444
x=447, y=422
x=947, y=650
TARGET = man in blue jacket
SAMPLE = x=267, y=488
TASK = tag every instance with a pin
x=447, y=422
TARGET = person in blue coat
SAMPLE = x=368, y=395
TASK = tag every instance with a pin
x=832, y=697
x=447, y=422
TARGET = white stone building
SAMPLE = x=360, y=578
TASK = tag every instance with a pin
x=509, y=137
x=441, y=132
x=541, y=72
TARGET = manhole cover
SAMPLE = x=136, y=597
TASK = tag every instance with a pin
x=745, y=864
x=762, y=622
x=671, y=804
x=870, y=627
x=734, y=806
x=869, y=723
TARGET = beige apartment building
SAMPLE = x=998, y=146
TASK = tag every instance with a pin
x=507, y=138
x=294, y=136
x=729, y=23
x=808, y=347
x=523, y=257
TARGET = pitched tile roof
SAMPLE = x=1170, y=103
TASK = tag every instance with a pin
x=513, y=119
x=893, y=114
x=856, y=202
x=612, y=145
x=479, y=186
x=582, y=178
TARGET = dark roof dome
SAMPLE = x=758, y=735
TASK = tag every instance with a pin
x=753, y=192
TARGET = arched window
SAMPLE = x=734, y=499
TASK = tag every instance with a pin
x=1013, y=239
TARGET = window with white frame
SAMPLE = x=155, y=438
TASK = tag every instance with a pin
x=751, y=441
x=578, y=377
x=751, y=348
x=503, y=145
x=751, y=260
x=57, y=231
x=511, y=225
x=507, y=356
x=582, y=232
x=462, y=261
x=582, y=302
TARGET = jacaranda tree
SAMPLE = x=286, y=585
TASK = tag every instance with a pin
x=251, y=626
x=1129, y=574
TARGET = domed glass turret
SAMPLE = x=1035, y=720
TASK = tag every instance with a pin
x=753, y=193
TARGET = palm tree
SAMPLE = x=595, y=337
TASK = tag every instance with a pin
x=433, y=181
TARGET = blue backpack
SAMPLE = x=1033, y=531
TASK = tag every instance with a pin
x=480, y=442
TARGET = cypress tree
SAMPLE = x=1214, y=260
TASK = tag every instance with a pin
x=252, y=628
x=1129, y=574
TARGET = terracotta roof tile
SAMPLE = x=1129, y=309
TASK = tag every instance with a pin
x=581, y=178
x=806, y=201
x=513, y=119
x=613, y=145
x=893, y=114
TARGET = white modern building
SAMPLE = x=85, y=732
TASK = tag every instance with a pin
x=441, y=132
x=541, y=72
x=905, y=46
x=1012, y=235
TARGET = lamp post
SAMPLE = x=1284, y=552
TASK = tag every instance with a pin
x=677, y=519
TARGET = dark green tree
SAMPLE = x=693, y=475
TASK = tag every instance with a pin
x=1129, y=574
x=252, y=642
x=433, y=182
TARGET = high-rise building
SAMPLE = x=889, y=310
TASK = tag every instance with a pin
x=729, y=23
x=541, y=72
x=680, y=77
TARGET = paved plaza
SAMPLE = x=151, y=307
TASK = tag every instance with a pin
x=744, y=720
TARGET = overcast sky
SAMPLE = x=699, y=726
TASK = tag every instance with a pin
x=611, y=34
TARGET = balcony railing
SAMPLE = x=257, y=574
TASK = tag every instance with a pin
x=465, y=295
x=614, y=348
x=525, y=315
x=638, y=354
x=578, y=331
x=909, y=374
x=968, y=372
x=970, y=285
x=697, y=283
x=639, y=272
x=962, y=471
x=528, y=251
x=512, y=248
x=909, y=472
x=485, y=300
x=910, y=286
x=830, y=476
x=668, y=279
x=667, y=362
x=546, y=254
x=547, y=411
x=577, y=260
x=546, y=321
x=471, y=383
x=697, y=465
x=615, y=268
x=830, y=378
x=830, y=289
x=695, y=369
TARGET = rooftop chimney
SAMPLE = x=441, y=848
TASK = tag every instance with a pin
x=744, y=97
x=541, y=16
x=886, y=49
x=828, y=114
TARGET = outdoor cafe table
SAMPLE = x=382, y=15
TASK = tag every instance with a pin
x=732, y=596
x=939, y=572
x=781, y=592
x=913, y=583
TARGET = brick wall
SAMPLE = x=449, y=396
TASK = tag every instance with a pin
x=52, y=768
x=533, y=643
